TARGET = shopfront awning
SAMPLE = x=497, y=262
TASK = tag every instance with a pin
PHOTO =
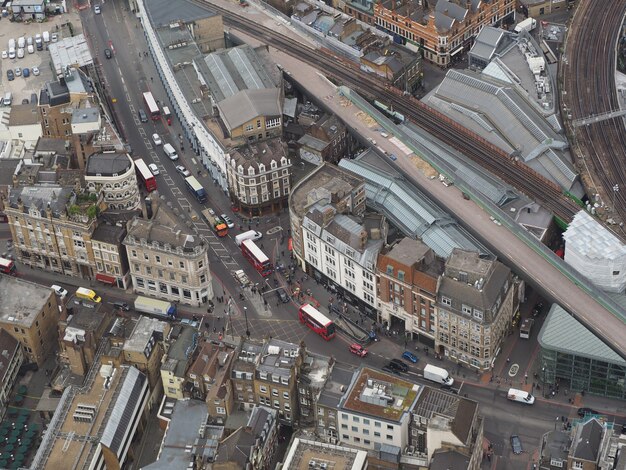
x=106, y=278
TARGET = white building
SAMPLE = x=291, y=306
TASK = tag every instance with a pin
x=113, y=174
x=344, y=249
x=596, y=253
x=24, y=124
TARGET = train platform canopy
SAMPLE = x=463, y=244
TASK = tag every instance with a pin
x=410, y=210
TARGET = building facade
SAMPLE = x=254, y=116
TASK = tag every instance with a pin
x=476, y=304
x=167, y=260
x=182, y=342
x=441, y=29
x=259, y=177
x=110, y=254
x=11, y=358
x=30, y=317
x=407, y=276
x=113, y=175
x=51, y=227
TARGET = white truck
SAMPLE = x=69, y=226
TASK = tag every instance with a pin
x=438, y=375
x=526, y=25
x=155, y=307
x=520, y=396
x=249, y=235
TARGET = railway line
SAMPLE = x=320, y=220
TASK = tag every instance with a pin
x=589, y=83
x=470, y=144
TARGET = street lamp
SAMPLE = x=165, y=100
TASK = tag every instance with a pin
x=245, y=313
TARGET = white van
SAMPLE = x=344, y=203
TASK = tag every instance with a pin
x=11, y=52
x=31, y=49
x=21, y=42
x=520, y=396
x=46, y=36
x=170, y=151
x=249, y=235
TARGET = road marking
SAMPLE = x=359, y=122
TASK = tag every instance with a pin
x=176, y=191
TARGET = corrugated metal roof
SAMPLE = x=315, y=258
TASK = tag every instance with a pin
x=562, y=332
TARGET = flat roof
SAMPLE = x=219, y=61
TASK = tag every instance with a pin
x=302, y=452
x=22, y=300
x=108, y=164
x=165, y=12
x=362, y=397
x=143, y=331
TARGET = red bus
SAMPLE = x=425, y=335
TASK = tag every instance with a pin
x=256, y=257
x=151, y=106
x=145, y=175
x=7, y=267
x=317, y=321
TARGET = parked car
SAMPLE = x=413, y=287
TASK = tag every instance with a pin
x=30, y=48
x=10, y=75
x=35, y=71
x=58, y=290
x=282, y=295
x=398, y=365
x=582, y=412
x=108, y=54
x=154, y=169
x=516, y=444
x=390, y=370
x=26, y=72
x=5, y=55
x=409, y=356
x=156, y=139
x=183, y=171
x=358, y=350
x=97, y=10
x=227, y=220
x=18, y=71
x=143, y=117
x=122, y=306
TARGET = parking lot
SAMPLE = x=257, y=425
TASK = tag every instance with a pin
x=22, y=87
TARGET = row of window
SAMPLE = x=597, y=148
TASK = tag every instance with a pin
x=163, y=288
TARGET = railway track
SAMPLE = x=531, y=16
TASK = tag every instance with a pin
x=463, y=140
x=590, y=89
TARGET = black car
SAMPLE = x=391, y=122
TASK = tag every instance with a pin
x=107, y=53
x=143, y=117
x=122, y=306
x=282, y=295
x=516, y=445
x=397, y=364
x=10, y=75
x=582, y=412
x=390, y=370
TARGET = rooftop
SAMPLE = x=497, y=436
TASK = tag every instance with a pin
x=315, y=370
x=448, y=459
x=24, y=308
x=143, y=332
x=446, y=411
x=254, y=154
x=416, y=254
x=108, y=164
x=302, y=452
x=107, y=233
x=593, y=240
x=70, y=51
x=183, y=342
x=84, y=314
x=278, y=357
x=84, y=115
x=106, y=401
x=336, y=183
x=167, y=12
x=587, y=440
x=247, y=105
x=40, y=197
x=335, y=386
x=23, y=115
x=52, y=145
x=375, y=393
x=563, y=333
x=187, y=422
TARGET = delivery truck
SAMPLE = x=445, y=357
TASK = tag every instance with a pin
x=526, y=25
x=84, y=293
x=438, y=375
x=157, y=307
x=520, y=396
x=249, y=235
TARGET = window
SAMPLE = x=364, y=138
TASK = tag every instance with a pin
x=577, y=465
x=263, y=389
x=389, y=437
x=181, y=264
x=376, y=434
x=274, y=392
x=389, y=427
x=355, y=429
x=220, y=410
x=344, y=426
x=467, y=309
x=366, y=421
x=376, y=424
x=276, y=404
x=390, y=269
x=187, y=293
x=286, y=395
x=478, y=314
x=366, y=442
x=271, y=123
x=401, y=276
x=446, y=301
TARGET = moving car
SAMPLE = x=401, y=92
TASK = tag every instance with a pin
x=582, y=412
x=516, y=444
x=409, y=356
x=122, y=306
x=108, y=54
x=227, y=220
x=282, y=295
x=156, y=139
x=358, y=350
x=398, y=365
x=97, y=10
x=154, y=169
x=143, y=117
x=183, y=171
x=58, y=290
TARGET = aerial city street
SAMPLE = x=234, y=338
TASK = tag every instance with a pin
x=274, y=234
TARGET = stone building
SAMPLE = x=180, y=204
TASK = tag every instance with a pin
x=113, y=174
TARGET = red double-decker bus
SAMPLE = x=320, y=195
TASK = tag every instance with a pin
x=317, y=321
x=145, y=175
x=7, y=267
x=256, y=257
x=151, y=106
